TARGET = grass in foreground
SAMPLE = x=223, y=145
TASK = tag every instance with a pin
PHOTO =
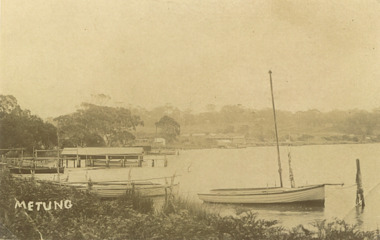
x=134, y=218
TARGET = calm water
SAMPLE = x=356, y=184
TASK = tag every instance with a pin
x=202, y=170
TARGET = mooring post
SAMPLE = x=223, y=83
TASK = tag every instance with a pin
x=166, y=191
x=165, y=162
x=107, y=161
x=78, y=160
x=359, y=184
x=140, y=161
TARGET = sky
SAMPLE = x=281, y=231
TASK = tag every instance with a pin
x=323, y=54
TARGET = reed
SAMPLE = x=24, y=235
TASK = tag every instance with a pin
x=132, y=217
x=179, y=204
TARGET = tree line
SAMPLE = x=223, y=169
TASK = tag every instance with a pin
x=98, y=125
x=91, y=125
x=351, y=125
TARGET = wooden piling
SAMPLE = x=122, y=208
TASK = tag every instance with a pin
x=359, y=184
x=166, y=191
x=140, y=161
x=78, y=159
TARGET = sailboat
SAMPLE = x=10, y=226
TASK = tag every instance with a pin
x=310, y=194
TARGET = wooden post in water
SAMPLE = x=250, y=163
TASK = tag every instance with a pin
x=140, y=161
x=107, y=161
x=275, y=127
x=78, y=158
x=359, y=184
x=165, y=162
x=166, y=191
x=22, y=157
x=58, y=158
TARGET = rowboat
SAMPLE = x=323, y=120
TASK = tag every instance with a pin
x=116, y=189
x=272, y=195
x=36, y=170
x=144, y=190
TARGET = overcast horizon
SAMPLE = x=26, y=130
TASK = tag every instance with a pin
x=324, y=54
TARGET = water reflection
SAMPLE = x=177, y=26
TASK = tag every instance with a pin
x=288, y=215
x=367, y=218
x=359, y=215
x=289, y=207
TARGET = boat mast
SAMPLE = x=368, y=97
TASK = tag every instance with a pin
x=275, y=128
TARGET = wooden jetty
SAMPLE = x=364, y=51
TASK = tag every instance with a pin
x=19, y=164
x=104, y=156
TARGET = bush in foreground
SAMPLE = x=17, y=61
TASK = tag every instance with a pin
x=134, y=218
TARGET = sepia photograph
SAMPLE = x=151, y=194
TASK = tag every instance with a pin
x=190, y=119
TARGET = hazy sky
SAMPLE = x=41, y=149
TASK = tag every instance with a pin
x=323, y=54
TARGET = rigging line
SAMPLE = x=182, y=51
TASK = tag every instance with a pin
x=345, y=187
x=372, y=189
x=369, y=192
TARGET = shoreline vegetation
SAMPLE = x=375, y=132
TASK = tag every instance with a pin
x=134, y=217
x=262, y=144
x=231, y=126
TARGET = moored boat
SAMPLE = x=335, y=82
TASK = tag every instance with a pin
x=144, y=190
x=273, y=195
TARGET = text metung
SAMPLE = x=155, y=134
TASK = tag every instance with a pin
x=50, y=205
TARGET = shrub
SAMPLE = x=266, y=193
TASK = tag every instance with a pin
x=132, y=217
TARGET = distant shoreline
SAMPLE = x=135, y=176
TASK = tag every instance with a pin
x=189, y=147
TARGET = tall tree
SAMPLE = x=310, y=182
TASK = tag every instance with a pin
x=170, y=128
x=19, y=128
x=91, y=123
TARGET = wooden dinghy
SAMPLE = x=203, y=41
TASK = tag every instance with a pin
x=144, y=189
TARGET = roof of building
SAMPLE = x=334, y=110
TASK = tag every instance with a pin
x=99, y=151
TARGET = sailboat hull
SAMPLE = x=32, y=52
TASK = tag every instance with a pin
x=307, y=194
